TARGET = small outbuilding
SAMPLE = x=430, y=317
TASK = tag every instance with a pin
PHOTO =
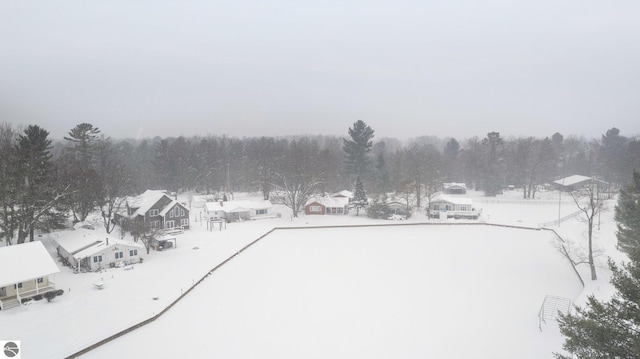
x=87, y=250
x=233, y=211
x=25, y=271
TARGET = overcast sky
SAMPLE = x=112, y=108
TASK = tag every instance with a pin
x=449, y=68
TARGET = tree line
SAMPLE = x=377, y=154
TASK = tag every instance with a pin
x=42, y=180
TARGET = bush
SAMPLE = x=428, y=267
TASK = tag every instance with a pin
x=24, y=300
x=37, y=297
x=379, y=209
x=59, y=292
x=50, y=295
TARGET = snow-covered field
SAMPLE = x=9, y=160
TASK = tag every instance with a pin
x=407, y=291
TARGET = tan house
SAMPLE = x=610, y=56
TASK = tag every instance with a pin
x=233, y=211
x=25, y=271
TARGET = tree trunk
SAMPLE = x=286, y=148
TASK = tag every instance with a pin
x=591, y=262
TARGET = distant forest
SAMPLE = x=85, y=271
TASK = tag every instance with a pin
x=87, y=169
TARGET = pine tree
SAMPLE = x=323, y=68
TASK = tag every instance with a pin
x=358, y=148
x=607, y=329
x=36, y=190
x=626, y=215
x=360, y=200
x=611, y=329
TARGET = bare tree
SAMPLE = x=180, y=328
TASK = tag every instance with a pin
x=115, y=180
x=589, y=201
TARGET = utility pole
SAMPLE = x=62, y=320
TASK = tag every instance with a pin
x=228, y=180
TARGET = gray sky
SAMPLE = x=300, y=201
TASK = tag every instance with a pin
x=250, y=68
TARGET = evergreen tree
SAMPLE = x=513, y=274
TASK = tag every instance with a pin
x=627, y=215
x=607, y=329
x=379, y=208
x=612, y=329
x=493, y=164
x=358, y=148
x=359, y=197
x=36, y=191
x=79, y=173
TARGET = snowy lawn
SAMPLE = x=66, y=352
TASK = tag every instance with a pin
x=408, y=292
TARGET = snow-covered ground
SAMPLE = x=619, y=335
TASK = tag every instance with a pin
x=408, y=291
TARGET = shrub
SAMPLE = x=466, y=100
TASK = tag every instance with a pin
x=59, y=292
x=37, y=297
x=50, y=295
x=24, y=300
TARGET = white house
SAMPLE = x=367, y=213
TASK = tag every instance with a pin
x=88, y=250
x=239, y=210
x=24, y=272
x=452, y=207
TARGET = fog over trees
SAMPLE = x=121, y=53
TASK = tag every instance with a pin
x=88, y=171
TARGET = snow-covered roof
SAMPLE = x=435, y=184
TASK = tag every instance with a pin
x=145, y=201
x=575, y=179
x=27, y=261
x=83, y=243
x=454, y=184
x=344, y=193
x=238, y=206
x=452, y=199
x=331, y=202
x=170, y=206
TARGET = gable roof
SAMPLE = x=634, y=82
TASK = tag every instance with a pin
x=82, y=243
x=576, y=179
x=145, y=201
x=27, y=261
x=452, y=199
x=170, y=206
x=331, y=202
x=454, y=185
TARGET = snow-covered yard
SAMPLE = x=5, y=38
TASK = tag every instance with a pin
x=408, y=291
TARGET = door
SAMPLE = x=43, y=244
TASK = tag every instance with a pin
x=3, y=292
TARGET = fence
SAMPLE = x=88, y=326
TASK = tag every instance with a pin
x=558, y=221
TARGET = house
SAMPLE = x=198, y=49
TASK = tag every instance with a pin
x=452, y=207
x=399, y=207
x=156, y=210
x=87, y=250
x=343, y=194
x=239, y=210
x=454, y=188
x=576, y=182
x=25, y=271
x=327, y=205
x=198, y=201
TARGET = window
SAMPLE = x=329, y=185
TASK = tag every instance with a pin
x=182, y=212
x=464, y=208
x=155, y=224
x=40, y=280
x=97, y=259
x=16, y=286
x=169, y=224
x=119, y=255
x=314, y=208
x=340, y=210
x=153, y=212
x=261, y=211
x=133, y=252
x=184, y=222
